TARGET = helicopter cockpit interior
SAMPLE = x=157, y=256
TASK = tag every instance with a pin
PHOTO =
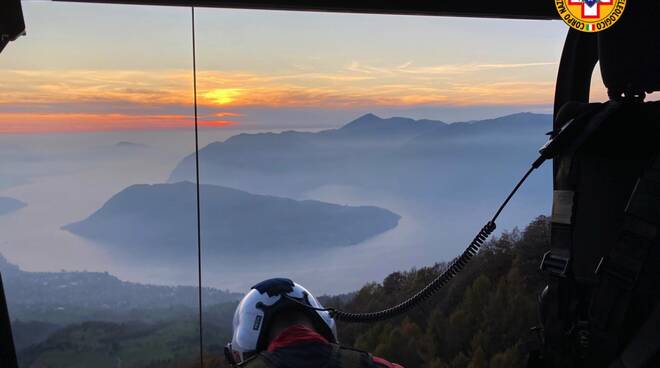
x=461, y=184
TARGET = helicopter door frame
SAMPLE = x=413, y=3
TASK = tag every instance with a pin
x=7, y=349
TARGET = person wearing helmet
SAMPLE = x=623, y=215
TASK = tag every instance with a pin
x=279, y=324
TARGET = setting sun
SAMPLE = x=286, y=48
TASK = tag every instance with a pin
x=222, y=96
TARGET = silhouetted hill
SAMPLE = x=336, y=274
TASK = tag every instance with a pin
x=293, y=151
x=8, y=205
x=510, y=128
x=130, y=145
x=414, y=158
x=373, y=127
x=63, y=297
x=476, y=160
x=159, y=221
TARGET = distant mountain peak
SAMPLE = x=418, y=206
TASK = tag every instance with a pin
x=370, y=120
x=369, y=116
x=362, y=120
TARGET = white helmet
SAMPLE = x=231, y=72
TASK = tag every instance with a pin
x=256, y=310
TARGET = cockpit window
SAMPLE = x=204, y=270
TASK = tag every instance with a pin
x=337, y=150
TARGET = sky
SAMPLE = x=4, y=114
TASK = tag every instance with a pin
x=92, y=67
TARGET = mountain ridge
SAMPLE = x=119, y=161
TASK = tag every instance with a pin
x=395, y=155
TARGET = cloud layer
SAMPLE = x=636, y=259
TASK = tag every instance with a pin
x=83, y=100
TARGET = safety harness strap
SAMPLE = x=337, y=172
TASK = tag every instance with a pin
x=644, y=346
x=619, y=271
x=560, y=323
x=556, y=262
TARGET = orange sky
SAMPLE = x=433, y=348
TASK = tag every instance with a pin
x=85, y=67
x=116, y=99
x=84, y=122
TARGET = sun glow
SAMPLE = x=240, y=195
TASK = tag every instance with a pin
x=222, y=96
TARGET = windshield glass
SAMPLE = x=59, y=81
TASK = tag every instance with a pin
x=351, y=153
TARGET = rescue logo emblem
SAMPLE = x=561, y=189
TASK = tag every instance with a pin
x=590, y=15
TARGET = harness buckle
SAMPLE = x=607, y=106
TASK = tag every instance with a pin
x=555, y=264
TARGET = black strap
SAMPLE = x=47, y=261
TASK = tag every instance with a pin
x=644, y=346
x=619, y=271
x=590, y=117
x=562, y=323
x=349, y=358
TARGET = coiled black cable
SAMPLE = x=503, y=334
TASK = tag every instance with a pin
x=456, y=266
x=433, y=287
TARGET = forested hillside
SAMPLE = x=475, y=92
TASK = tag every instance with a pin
x=480, y=320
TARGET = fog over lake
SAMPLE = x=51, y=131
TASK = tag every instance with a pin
x=64, y=178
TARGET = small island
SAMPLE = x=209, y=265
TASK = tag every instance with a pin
x=160, y=221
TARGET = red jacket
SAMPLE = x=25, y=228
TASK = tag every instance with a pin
x=303, y=335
